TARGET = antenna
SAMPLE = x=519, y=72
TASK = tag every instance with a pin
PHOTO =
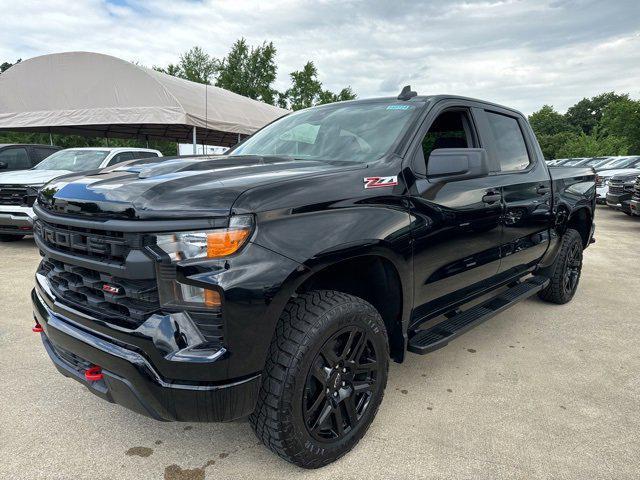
x=407, y=93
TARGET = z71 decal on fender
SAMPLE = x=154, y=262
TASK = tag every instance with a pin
x=377, y=182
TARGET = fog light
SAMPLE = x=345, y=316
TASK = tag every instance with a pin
x=195, y=295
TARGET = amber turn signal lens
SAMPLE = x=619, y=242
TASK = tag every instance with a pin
x=225, y=242
x=211, y=298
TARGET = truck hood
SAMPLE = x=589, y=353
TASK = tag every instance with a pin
x=618, y=171
x=192, y=187
x=30, y=177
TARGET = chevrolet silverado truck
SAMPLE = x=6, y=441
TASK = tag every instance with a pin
x=277, y=281
x=621, y=190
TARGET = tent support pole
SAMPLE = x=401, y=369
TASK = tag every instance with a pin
x=195, y=148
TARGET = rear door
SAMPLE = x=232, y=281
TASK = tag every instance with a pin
x=456, y=224
x=40, y=153
x=525, y=187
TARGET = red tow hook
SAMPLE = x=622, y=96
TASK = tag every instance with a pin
x=93, y=374
x=37, y=328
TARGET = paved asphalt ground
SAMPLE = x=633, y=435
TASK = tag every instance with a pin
x=540, y=391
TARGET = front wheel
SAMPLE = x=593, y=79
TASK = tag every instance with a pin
x=564, y=273
x=324, y=378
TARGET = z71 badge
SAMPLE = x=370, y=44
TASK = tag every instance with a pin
x=377, y=182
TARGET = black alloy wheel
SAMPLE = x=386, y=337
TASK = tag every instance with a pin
x=340, y=384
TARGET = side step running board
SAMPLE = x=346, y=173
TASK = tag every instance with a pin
x=425, y=341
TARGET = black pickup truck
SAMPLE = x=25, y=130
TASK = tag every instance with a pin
x=278, y=280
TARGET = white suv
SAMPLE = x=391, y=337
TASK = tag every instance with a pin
x=18, y=189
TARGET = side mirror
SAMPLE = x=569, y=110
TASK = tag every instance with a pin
x=3, y=165
x=457, y=163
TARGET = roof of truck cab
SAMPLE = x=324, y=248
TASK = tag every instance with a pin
x=428, y=99
x=39, y=145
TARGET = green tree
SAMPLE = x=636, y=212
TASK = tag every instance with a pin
x=306, y=90
x=329, y=97
x=622, y=118
x=249, y=71
x=195, y=65
x=593, y=145
x=305, y=87
x=551, y=145
x=586, y=114
x=6, y=65
x=171, y=69
x=547, y=121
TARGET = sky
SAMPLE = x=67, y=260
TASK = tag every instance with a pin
x=521, y=53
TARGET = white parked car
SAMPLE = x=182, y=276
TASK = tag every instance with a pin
x=19, y=189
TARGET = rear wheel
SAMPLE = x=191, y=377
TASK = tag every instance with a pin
x=565, y=271
x=324, y=379
x=7, y=237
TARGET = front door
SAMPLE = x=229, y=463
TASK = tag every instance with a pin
x=456, y=224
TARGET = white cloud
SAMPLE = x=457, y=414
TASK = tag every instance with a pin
x=523, y=53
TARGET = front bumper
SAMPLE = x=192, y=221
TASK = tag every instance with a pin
x=619, y=201
x=16, y=219
x=129, y=376
x=634, y=205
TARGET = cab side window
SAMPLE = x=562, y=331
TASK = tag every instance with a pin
x=146, y=154
x=121, y=157
x=14, y=158
x=510, y=146
x=451, y=129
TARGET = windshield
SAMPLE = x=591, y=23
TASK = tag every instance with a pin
x=356, y=132
x=594, y=162
x=73, y=160
x=618, y=162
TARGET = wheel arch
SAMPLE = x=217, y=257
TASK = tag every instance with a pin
x=581, y=220
x=375, y=278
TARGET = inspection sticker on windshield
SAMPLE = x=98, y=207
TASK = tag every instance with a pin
x=377, y=182
x=400, y=107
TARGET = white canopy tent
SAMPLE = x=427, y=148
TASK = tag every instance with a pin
x=91, y=94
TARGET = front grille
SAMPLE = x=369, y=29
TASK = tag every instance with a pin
x=128, y=295
x=616, y=188
x=110, y=247
x=82, y=289
x=13, y=195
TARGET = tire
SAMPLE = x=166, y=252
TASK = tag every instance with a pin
x=308, y=413
x=7, y=237
x=565, y=271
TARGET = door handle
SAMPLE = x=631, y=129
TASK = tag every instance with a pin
x=492, y=197
x=542, y=190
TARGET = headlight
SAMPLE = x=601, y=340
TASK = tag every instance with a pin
x=179, y=246
x=217, y=243
x=606, y=181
